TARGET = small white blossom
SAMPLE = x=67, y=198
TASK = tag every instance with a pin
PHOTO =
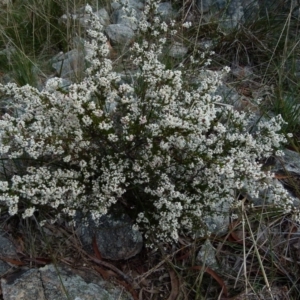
x=157, y=140
x=187, y=24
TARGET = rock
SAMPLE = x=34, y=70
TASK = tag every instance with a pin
x=121, y=17
x=204, y=5
x=218, y=222
x=116, y=240
x=231, y=13
x=206, y=44
x=207, y=256
x=266, y=6
x=178, y=50
x=4, y=267
x=81, y=18
x=166, y=11
x=7, y=250
x=23, y=285
x=136, y=4
x=250, y=9
x=69, y=65
x=5, y=2
x=293, y=66
x=58, y=283
x=8, y=167
x=290, y=162
x=103, y=16
x=229, y=95
x=119, y=34
x=234, y=14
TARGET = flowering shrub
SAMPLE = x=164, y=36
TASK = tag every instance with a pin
x=166, y=149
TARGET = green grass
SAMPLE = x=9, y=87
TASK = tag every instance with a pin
x=268, y=44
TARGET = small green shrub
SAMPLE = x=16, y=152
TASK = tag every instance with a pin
x=166, y=149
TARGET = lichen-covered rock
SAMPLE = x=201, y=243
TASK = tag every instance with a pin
x=119, y=34
x=58, y=283
x=178, y=50
x=5, y=2
x=70, y=65
x=136, y=4
x=103, y=16
x=7, y=250
x=218, y=222
x=116, y=240
x=123, y=18
x=289, y=162
x=166, y=10
x=207, y=256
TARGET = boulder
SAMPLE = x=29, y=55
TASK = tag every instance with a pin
x=119, y=34
x=58, y=283
x=115, y=238
x=69, y=65
x=7, y=250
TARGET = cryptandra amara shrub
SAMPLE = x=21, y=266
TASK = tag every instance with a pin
x=165, y=148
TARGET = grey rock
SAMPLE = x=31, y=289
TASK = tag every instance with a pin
x=81, y=18
x=204, y=5
x=119, y=34
x=123, y=18
x=294, y=66
x=23, y=285
x=4, y=267
x=234, y=12
x=69, y=65
x=178, y=50
x=229, y=95
x=262, y=233
x=275, y=5
x=137, y=4
x=250, y=9
x=206, y=44
x=7, y=166
x=103, y=16
x=165, y=10
x=207, y=255
x=218, y=222
x=58, y=283
x=290, y=162
x=5, y=2
x=7, y=249
x=116, y=240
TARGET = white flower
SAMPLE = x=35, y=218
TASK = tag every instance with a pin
x=187, y=24
x=88, y=9
x=157, y=140
x=143, y=120
x=67, y=158
x=28, y=212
